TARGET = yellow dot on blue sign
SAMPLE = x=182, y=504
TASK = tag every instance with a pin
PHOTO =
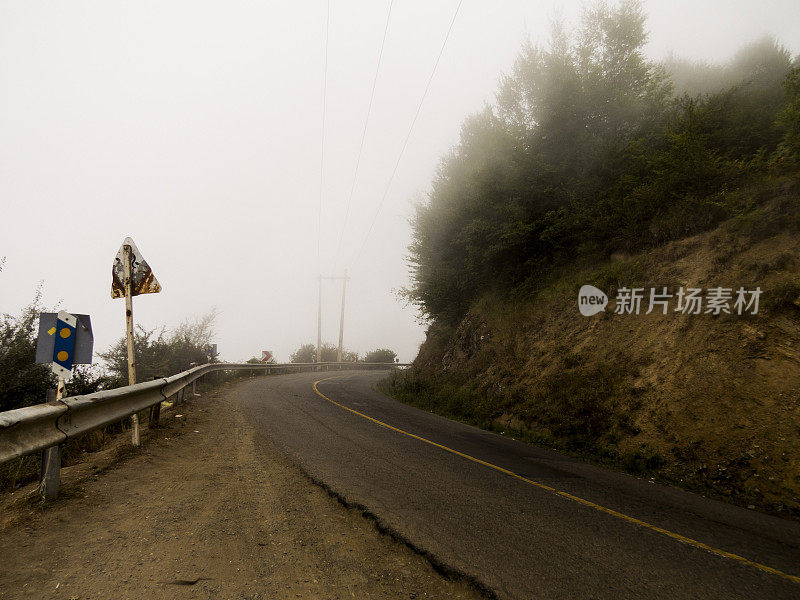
x=65, y=332
x=62, y=356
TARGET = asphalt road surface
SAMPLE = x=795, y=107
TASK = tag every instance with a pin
x=525, y=522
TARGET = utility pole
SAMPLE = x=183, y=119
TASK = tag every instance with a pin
x=319, y=323
x=341, y=319
x=319, y=317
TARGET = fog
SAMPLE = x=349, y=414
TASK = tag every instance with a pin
x=196, y=129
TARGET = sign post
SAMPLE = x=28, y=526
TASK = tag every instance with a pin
x=126, y=266
x=63, y=349
x=131, y=276
x=64, y=340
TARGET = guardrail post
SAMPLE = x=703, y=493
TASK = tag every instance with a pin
x=155, y=414
x=194, y=388
x=50, y=472
x=155, y=411
x=50, y=479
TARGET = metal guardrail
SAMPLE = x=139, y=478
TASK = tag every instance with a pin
x=42, y=426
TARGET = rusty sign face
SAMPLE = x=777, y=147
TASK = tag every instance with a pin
x=142, y=279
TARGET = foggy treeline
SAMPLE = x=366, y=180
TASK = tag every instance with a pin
x=592, y=149
x=307, y=353
x=159, y=353
x=162, y=352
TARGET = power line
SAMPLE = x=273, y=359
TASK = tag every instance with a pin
x=364, y=132
x=408, y=135
x=322, y=144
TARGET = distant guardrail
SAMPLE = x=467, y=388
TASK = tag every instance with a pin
x=43, y=427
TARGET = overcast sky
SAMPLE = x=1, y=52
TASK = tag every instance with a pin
x=195, y=128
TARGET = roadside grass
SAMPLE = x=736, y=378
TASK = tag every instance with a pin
x=576, y=411
x=465, y=405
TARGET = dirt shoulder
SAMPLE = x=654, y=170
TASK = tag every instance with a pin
x=205, y=508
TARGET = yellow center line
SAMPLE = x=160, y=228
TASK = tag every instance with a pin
x=609, y=511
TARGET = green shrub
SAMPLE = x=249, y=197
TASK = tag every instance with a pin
x=22, y=381
x=160, y=353
x=381, y=355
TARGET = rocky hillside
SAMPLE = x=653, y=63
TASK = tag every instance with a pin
x=711, y=402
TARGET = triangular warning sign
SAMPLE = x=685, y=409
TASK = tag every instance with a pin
x=143, y=280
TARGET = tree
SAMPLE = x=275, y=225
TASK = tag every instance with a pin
x=307, y=353
x=22, y=381
x=160, y=353
x=198, y=332
x=521, y=184
x=587, y=152
x=789, y=117
x=87, y=379
x=381, y=355
x=258, y=361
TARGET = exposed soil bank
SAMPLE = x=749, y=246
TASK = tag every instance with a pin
x=708, y=402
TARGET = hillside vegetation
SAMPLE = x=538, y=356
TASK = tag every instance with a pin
x=596, y=166
x=588, y=152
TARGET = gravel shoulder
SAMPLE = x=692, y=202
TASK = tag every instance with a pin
x=206, y=508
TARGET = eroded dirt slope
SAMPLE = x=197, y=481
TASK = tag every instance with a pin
x=708, y=401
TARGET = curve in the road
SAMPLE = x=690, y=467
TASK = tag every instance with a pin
x=567, y=495
x=496, y=526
